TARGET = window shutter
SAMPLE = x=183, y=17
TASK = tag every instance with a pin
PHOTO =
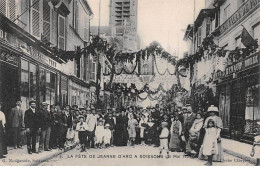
x=90, y=68
x=12, y=10
x=46, y=20
x=93, y=70
x=86, y=29
x=77, y=16
x=199, y=35
x=35, y=18
x=3, y=7
x=61, y=39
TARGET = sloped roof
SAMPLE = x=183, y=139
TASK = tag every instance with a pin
x=204, y=13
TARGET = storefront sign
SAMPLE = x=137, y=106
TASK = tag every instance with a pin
x=9, y=57
x=41, y=57
x=253, y=60
x=240, y=13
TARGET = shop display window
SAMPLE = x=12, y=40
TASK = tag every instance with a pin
x=252, y=111
x=28, y=83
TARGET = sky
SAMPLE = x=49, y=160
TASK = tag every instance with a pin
x=164, y=21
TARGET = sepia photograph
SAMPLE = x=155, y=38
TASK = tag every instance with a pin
x=129, y=83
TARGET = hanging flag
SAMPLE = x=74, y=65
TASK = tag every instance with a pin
x=246, y=38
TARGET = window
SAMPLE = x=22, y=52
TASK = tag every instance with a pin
x=42, y=86
x=226, y=13
x=252, y=110
x=256, y=32
x=33, y=81
x=35, y=18
x=199, y=36
x=93, y=71
x=61, y=32
x=208, y=27
x=24, y=78
x=50, y=87
x=28, y=82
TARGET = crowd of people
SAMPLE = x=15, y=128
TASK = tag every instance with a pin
x=182, y=130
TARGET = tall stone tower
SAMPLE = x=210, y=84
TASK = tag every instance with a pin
x=123, y=23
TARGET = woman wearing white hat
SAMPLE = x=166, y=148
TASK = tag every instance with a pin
x=212, y=111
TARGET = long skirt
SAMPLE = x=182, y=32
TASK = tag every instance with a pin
x=3, y=147
x=175, y=142
x=121, y=137
x=132, y=132
x=217, y=157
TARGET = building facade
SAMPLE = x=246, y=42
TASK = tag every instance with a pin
x=32, y=31
x=234, y=82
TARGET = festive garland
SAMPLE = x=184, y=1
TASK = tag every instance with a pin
x=119, y=88
x=166, y=70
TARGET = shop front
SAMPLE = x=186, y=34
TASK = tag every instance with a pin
x=9, y=78
x=239, y=103
x=41, y=80
x=79, y=92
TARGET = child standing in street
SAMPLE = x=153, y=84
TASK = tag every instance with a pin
x=141, y=125
x=99, y=133
x=82, y=128
x=164, y=138
x=107, y=135
x=210, y=146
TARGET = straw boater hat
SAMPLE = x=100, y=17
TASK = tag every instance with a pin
x=184, y=108
x=107, y=125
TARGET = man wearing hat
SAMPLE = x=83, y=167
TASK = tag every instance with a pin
x=188, y=121
x=16, y=124
x=45, y=123
x=31, y=121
